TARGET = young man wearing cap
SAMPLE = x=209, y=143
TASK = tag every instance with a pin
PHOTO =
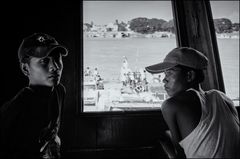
x=30, y=121
x=204, y=124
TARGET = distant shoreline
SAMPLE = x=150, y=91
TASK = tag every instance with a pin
x=122, y=35
x=233, y=35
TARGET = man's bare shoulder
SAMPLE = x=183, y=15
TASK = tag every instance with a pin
x=170, y=106
x=177, y=102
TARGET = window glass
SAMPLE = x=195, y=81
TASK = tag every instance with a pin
x=226, y=23
x=120, y=39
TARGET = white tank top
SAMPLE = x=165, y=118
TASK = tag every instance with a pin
x=217, y=135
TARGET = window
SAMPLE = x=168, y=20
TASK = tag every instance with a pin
x=226, y=23
x=120, y=39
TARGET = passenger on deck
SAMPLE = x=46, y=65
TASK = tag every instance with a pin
x=203, y=124
x=87, y=72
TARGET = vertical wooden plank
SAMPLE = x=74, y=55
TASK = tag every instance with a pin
x=104, y=132
x=196, y=29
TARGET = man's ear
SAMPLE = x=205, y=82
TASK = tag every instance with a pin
x=25, y=68
x=191, y=75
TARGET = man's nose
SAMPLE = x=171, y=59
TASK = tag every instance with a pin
x=164, y=80
x=53, y=66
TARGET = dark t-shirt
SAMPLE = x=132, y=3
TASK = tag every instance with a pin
x=30, y=121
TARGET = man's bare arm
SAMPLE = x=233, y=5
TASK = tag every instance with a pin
x=169, y=111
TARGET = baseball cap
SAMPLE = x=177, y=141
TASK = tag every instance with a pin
x=39, y=45
x=184, y=56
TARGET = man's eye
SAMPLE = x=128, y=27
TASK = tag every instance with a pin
x=44, y=61
x=167, y=73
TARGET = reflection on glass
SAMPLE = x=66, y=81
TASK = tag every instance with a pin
x=120, y=40
x=226, y=22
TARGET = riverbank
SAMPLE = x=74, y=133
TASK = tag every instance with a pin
x=233, y=35
x=131, y=34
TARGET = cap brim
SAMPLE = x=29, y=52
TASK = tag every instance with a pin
x=63, y=50
x=41, y=52
x=160, y=67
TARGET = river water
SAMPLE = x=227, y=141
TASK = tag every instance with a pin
x=106, y=54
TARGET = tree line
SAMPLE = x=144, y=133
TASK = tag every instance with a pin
x=148, y=26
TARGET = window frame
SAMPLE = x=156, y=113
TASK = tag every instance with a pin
x=184, y=37
x=200, y=37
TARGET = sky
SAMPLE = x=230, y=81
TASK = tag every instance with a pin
x=104, y=12
x=226, y=9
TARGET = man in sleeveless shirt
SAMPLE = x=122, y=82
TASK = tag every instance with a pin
x=202, y=124
x=31, y=120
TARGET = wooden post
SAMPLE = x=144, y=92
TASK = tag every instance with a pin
x=195, y=28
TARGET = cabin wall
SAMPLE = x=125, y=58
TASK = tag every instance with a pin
x=135, y=135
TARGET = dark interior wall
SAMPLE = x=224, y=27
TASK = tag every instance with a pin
x=60, y=20
x=120, y=135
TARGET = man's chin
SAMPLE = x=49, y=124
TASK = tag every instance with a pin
x=53, y=83
x=169, y=94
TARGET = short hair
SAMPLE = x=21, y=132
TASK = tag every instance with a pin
x=199, y=78
x=25, y=59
